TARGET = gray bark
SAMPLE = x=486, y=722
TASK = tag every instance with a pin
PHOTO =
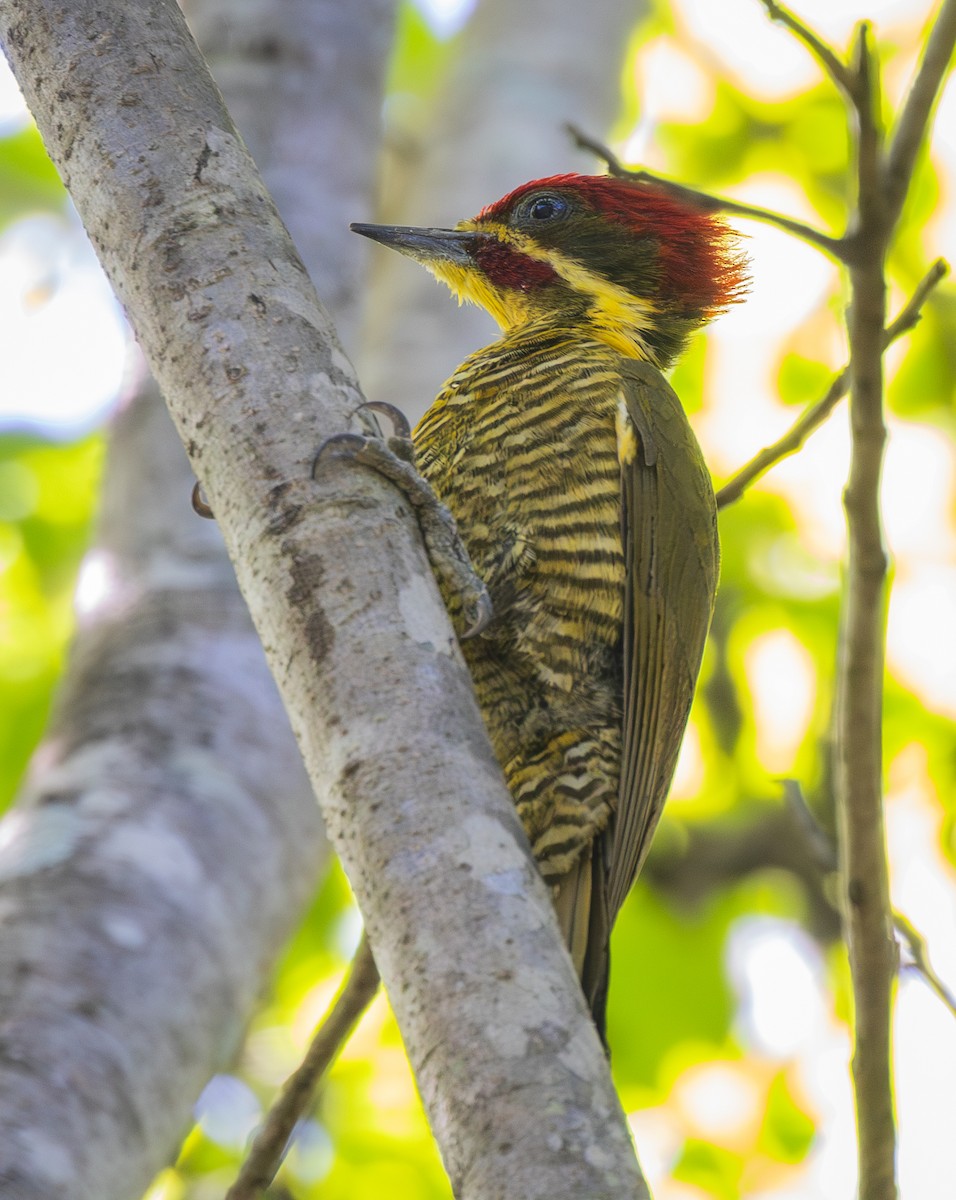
x=509, y=1065
x=169, y=838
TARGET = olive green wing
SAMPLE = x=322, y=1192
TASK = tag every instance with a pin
x=669, y=534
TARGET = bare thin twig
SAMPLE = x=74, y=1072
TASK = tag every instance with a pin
x=584, y=141
x=919, y=952
x=828, y=58
x=710, y=203
x=864, y=873
x=814, y=416
x=272, y=1139
x=871, y=217
x=859, y=745
x=918, y=107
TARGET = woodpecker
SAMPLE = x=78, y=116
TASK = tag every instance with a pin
x=583, y=501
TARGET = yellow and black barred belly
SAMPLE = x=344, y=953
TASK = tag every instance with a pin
x=522, y=446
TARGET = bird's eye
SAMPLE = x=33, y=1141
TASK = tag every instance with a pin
x=546, y=208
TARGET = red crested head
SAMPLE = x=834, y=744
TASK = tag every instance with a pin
x=632, y=264
x=640, y=236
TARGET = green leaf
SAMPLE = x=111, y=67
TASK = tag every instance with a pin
x=667, y=985
x=787, y=1131
x=802, y=381
x=717, y=1172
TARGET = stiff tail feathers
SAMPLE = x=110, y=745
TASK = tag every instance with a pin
x=580, y=900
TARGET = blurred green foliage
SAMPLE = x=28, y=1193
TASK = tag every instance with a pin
x=28, y=180
x=674, y=1009
x=48, y=496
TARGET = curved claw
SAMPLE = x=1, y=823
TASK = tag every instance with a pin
x=484, y=611
x=402, y=429
x=346, y=443
x=200, y=503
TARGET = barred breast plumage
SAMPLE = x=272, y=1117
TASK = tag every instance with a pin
x=521, y=445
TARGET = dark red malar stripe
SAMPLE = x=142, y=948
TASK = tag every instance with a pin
x=508, y=268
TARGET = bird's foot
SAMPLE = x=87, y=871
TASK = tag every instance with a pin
x=394, y=458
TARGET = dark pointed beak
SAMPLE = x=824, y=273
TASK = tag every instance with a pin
x=425, y=245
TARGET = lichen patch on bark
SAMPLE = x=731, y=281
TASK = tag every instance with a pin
x=419, y=607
